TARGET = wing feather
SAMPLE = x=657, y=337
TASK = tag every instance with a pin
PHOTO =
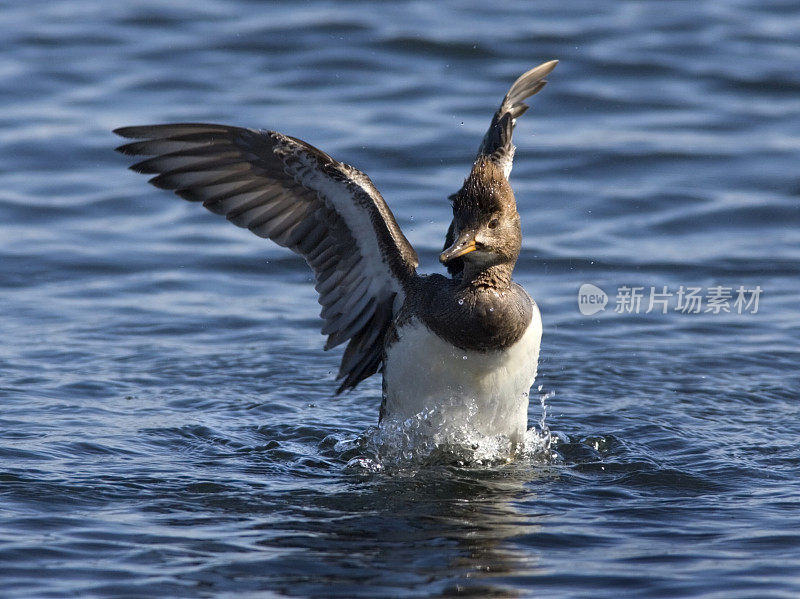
x=497, y=141
x=284, y=189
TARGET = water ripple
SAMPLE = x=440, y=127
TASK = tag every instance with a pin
x=168, y=425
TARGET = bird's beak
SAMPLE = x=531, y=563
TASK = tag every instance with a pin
x=463, y=245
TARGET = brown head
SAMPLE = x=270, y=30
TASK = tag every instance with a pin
x=487, y=227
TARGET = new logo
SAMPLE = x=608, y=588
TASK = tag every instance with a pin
x=591, y=299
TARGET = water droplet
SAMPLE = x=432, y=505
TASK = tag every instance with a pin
x=461, y=302
x=463, y=357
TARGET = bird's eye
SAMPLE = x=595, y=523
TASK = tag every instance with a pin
x=493, y=223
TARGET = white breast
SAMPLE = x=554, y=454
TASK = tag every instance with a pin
x=484, y=391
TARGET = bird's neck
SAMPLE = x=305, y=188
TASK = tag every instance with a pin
x=497, y=276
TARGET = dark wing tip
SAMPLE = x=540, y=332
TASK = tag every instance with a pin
x=178, y=132
x=130, y=149
x=128, y=132
x=345, y=386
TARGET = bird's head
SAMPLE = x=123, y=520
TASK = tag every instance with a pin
x=487, y=228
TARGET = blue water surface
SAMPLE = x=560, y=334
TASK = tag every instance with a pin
x=167, y=420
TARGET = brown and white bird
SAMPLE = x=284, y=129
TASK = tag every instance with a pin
x=470, y=340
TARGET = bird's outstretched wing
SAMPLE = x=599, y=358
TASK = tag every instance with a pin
x=497, y=142
x=288, y=191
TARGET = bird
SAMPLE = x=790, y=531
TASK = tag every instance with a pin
x=466, y=343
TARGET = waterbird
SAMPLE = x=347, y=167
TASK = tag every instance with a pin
x=470, y=339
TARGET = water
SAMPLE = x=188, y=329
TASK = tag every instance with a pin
x=167, y=426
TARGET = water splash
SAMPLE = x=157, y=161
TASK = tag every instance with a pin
x=544, y=430
x=442, y=436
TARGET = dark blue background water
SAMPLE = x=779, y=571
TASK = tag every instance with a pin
x=167, y=425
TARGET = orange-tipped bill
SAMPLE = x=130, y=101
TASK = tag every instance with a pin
x=463, y=245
